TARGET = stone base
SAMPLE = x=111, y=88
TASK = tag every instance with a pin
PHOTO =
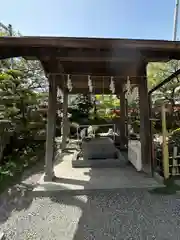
x=82, y=181
x=106, y=163
x=98, y=148
x=49, y=177
x=80, y=162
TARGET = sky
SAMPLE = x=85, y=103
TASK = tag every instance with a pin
x=147, y=19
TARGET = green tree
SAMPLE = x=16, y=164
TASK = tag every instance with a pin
x=81, y=109
x=23, y=90
x=157, y=72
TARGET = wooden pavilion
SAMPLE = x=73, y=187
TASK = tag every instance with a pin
x=99, y=58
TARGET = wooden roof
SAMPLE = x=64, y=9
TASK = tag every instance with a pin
x=90, y=56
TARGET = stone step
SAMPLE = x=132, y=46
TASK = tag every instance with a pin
x=105, y=163
x=52, y=189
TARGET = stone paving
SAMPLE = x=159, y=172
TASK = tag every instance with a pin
x=124, y=215
x=79, y=180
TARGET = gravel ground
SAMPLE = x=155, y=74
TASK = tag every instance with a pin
x=19, y=196
x=126, y=214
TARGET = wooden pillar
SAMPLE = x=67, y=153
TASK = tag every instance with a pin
x=65, y=120
x=50, y=130
x=144, y=120
x=122, y=118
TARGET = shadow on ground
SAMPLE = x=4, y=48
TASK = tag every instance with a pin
x=122, y=214
x=104, y=215
x=19, y=196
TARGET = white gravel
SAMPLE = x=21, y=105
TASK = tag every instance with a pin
x=127, y=214
x=123, y=215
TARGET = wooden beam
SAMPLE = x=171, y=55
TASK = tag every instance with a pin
x=96, y=59
x=64, y=127
x=86, y=91
x=123, y=118
x=53, y=66
x=50, y=131
x=98, y=55
x=119, y=69
x=39, y=41
x=144, y=121
x=27, y=46
x=73, y=54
